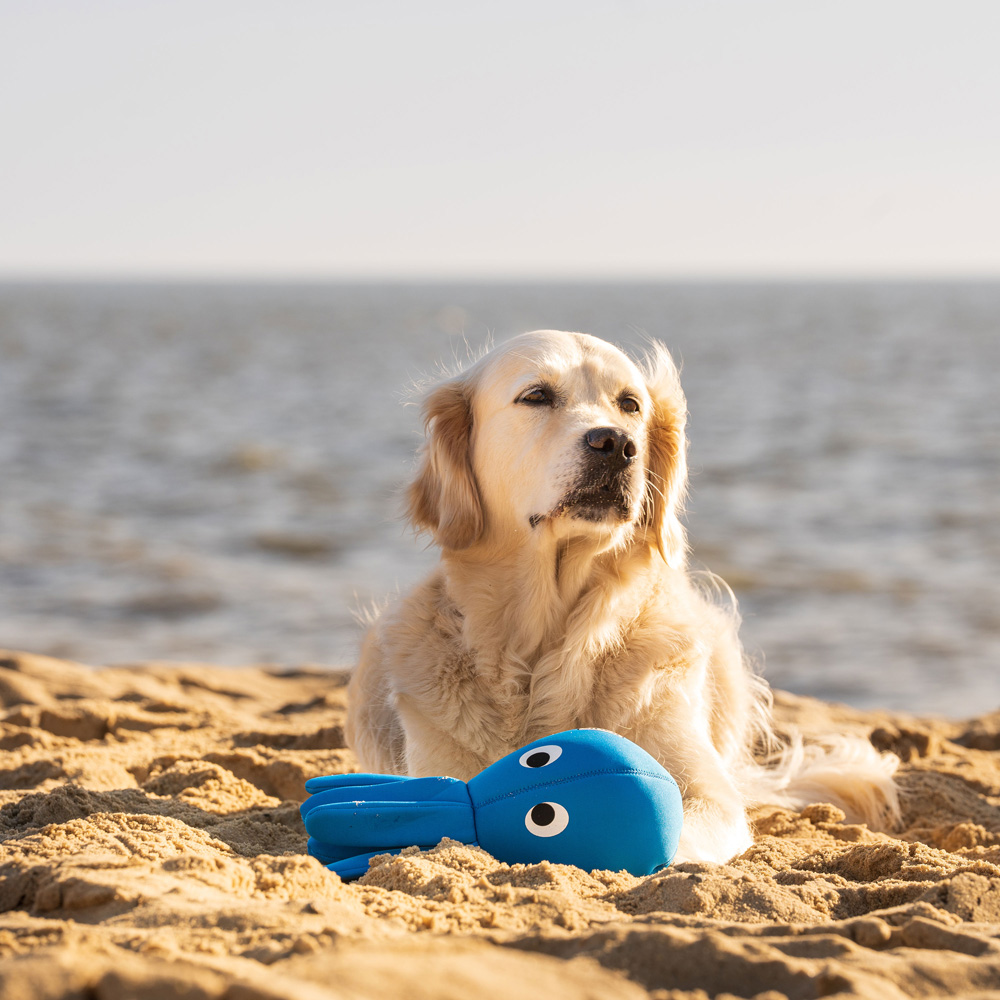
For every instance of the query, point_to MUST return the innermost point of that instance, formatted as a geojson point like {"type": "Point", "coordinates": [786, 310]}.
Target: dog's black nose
{"type": "Point", "coordinates": [614, 445]}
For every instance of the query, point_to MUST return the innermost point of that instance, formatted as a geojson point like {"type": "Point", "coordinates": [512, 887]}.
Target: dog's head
{"type": "Point", "coordinates": [555, 432]}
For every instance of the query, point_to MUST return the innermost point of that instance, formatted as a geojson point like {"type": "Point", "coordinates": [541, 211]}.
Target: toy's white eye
{"type": "Point", "coordinates": [540, 756]}
{"type": "Point", "coordinates": [546, 819]}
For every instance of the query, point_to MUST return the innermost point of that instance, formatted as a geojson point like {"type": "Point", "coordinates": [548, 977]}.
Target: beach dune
{"type": "Point", "coordinates": [152, 847]}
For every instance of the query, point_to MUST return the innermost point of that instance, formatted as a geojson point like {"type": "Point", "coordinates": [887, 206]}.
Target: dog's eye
{"type": "Point", "coordinates": [629, 404]}
{"type": "Point", "coordinates": [540, 756]}
{"type": "Point", "coordinates": [546, 819]}
{"type": "Point", "coordinates": [539, 396]}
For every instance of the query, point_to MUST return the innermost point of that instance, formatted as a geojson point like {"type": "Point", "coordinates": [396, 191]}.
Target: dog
{"type": "Point", "coordinates": [552, 478]}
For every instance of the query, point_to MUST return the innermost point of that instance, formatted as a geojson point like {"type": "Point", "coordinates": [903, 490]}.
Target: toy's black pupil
{"type": "Point", "coordinates": [542, 814]}
{"type": "Point", "coordinates": [539, 759]}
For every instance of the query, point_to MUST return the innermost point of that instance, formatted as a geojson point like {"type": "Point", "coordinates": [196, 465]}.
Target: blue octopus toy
{"type": "Point", "coordinates": [585, 797]}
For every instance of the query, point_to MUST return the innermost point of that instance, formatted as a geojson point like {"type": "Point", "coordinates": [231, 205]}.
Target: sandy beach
{"type": "Point", "coordinates": [152, 848]}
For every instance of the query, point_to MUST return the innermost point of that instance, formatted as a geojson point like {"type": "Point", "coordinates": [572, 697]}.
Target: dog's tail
{"type": "Point", "coordinates": [846, 771]}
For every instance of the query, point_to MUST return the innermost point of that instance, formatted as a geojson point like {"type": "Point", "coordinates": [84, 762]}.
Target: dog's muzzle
{"type": "Point", "coordinates": [604, 488]}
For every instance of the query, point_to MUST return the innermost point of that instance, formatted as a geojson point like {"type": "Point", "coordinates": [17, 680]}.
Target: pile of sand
{"type": "Point", "coordinates": [152, 847]}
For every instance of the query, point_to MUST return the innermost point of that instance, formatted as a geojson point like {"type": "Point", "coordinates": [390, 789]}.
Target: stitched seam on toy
{"type": "Point", "coordinates": [577, 777]}
{"type": "Point", "coordinates": [472, 815]}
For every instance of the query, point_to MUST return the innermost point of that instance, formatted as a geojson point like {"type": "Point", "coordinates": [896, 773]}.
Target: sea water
{"type": "Point", "coordinates": [212, 472]}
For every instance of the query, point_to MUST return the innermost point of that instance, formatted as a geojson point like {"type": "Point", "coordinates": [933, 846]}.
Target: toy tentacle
{"type": "Point", "coordinates": [352, 868]}
{"type": "Point", "coordinates": [355, 826]}
{"type": "Point", "coordinates": [331, 854]}
{"type": "Point", "coordinates": [325, 781]}
{"type": "Point", "coordinates": [325, 853]}
{"type": "Point", "coordinates": [398, 790]}
{"type": "Point", "coordinates": [349, 821]}
{"type": "Point", "coordinates": [395, 790]}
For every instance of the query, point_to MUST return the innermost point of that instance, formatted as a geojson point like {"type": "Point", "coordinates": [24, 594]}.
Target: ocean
{"type": "Point", "coordinates": [211, 472]}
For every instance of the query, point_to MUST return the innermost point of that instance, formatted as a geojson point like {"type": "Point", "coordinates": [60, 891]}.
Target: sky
{"type": "Point", "coordinates": [381, 139]}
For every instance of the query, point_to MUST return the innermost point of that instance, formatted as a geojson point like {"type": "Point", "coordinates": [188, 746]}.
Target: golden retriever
{"type": "Point", "coordinates": [552, 479]}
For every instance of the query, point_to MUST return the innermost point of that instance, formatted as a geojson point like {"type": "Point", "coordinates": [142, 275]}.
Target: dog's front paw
{"type": "Point", "coordinates": [712, 832]}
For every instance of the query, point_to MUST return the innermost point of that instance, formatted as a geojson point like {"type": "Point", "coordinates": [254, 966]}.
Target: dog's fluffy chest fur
{"type": "Point", "coordinates": [507, 674]}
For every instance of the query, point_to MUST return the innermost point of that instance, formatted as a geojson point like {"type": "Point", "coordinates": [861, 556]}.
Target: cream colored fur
{"type": "Point", "coordinates": [545, 615]}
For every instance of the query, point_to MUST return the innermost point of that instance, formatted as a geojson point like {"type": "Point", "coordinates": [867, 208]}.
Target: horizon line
{"type": "Point", "coordinates": [167, 276]}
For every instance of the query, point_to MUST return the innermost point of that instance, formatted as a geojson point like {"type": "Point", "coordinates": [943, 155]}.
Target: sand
{"type": "Point", "coordinates": [152, 847]}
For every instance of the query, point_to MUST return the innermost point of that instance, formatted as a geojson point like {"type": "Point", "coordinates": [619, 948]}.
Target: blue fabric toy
{"type": "Point", "coordinates": [585, 797]}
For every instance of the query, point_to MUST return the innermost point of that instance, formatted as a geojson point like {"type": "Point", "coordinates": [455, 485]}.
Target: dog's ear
{"type": "Point", "coordinates": [666, 466]}
{"type": "Point", "coordinates": [444, 497]}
